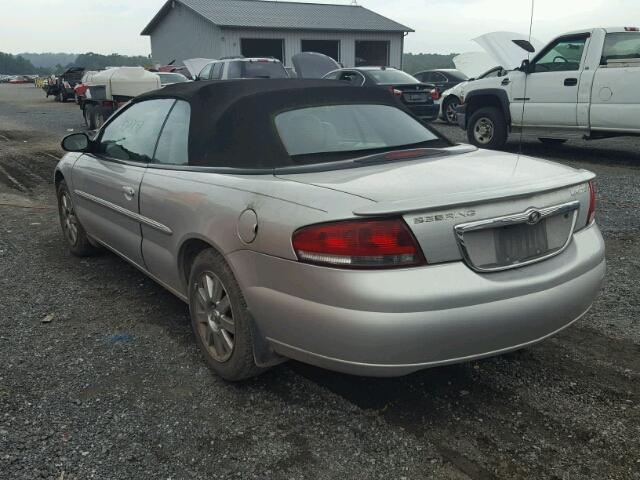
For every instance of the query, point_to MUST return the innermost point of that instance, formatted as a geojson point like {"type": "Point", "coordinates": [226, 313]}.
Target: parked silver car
{"type": "Point", "coordinates": [311, 220]}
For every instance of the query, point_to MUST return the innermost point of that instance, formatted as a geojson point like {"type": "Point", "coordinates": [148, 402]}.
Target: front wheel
{"type": "Point", "coordinates": [75, 235]}
{"type": "Point", "coordinates": [487, 128]}
{"type": "Point", "coordinates": [220, 318]}
{"type": "Point", "coordinates": [449, 107]}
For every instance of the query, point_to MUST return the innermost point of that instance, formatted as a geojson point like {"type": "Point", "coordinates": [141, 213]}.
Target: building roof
{"type": "Point", "coordinates": [284, 15]}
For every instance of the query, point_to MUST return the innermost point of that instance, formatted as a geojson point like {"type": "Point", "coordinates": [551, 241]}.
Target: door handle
{"type": "Point", "coordinates": [129, 192]}
{"type": "Point", "coordinates": [570, 82]}
{"type": "Point", "coordinates": [505, 82]}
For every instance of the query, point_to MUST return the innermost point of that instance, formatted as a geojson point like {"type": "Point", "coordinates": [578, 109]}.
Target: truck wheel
{"type": "Point", "coordinates": [487, 128]}
{"type": "Point", "coordinates": [449, 107]}
{"type": "Point", "coordinates": [62, 97]}
{"type": "Point", "coordinates": [552, 141]}
{"type": "Point", "coordinates": [88, 116]}
{"type": "Point", "coordinates": [98, 117]}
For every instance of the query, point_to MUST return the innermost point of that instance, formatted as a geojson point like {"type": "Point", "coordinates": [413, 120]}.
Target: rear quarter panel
{"type": "Point", "coordinates": [207, 206]}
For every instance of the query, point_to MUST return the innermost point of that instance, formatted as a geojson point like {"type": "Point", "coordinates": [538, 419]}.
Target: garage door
{"type": "Point", "coordinates": [331, 48]}
{"type": "Point", "coordinates": [263, 47]}
{"type": "Point", "coordinates": [372, 53]}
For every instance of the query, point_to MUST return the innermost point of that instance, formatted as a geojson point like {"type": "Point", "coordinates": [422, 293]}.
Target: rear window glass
{"type": "Point", "coordinates": [263, 70]}
{"type": "Point", "coordinates": [167, 78]}
{"type": "Point", "coordinates": [621, 46]}
{"type": "Point", "coordinates": [392, 77]}
{"type": "Point", "coordinates": [348, 128]}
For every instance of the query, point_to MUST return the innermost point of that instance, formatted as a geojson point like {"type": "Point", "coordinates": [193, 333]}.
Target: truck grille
{"type": "Point", "coordinates": [516, 240]}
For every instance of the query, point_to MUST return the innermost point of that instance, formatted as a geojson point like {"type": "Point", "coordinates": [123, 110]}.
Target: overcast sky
{"type": "Point", "coordinates": [442, 26]}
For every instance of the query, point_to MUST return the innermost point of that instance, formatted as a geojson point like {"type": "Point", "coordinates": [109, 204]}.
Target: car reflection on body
{"type": "Point", "coordinates": [311, 220]}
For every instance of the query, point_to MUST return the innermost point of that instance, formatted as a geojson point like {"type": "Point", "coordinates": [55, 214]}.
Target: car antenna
{"type": "Point", "coordinates": [524, 95]}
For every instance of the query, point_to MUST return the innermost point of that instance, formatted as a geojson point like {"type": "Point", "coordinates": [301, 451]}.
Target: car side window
{"type": "Point", "coordinates": [621, 46]}
{"type": "Point", "coordinates": [562, 56]}
{"type": "Point", "coordinates": [133, 134]}
{"type": "Point", "coordinates": [173, 146]}
{"type": "Point", "coordinates": [438, 77]}
{"type": "Point", "coordinates": [216, 72]}
{"type": "Point", "coordinates": [425, 77]}
{"type": "Point", "coordinates": [204, 73]}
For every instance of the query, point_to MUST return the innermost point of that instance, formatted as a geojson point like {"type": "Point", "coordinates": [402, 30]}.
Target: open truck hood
{"type": "Point", "coordinates": [195, 65]}
{"type": "Point", "coordinates": [313, 65]}
{"type": "Point", "coordinates": [462, 176]}
{"type": "Point", "coordinates": [473, 64]}
{"type": "Point", "coordinates": [500, 47]}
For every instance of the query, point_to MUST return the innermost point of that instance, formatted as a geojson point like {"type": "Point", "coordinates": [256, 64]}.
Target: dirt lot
{"type": "Point", "coordinates": [114, 388]}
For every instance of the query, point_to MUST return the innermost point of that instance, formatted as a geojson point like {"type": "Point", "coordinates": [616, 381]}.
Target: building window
{"type": "Point", "coordinates": [331, 48]}
{"type": "Point", "coordinates": [372, 53]}
{"type": "Point", "coordinates": [263, 47]}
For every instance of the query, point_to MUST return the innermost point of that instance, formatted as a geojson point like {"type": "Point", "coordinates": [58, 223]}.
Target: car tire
{"type": "Point", "coordinates": [62, 98]}
{"type": "Point", "coordinates": [552, 141]}
{"type": "Point", "coordinates": [77, 239]}
{"type": "Point", "coordinates": [451, 102]}
{"type": "Point", "coordinates": [487, 128]}
{"type": "Point", "coordinates": [98, 117]}
{"type": "Point", "coordinates": [220, 319]}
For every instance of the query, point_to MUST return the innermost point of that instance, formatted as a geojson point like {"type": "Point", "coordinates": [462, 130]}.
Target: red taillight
{"type": "Point", "coordinates": [592, 203]}
{"type": "Point", "coordinates": [395, 92]}
{"type": "Point", "coordinates": [384, 243]}
{"type": "Point", "coordinates": [631, 29]}
{"type": "Point", "coordinates": [435, 94]}
{"type": "Point", "coordinates": [108, 103]}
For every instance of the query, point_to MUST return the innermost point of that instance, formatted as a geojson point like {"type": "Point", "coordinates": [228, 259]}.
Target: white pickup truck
{"type": "Point", "coordinates": [583, 84]}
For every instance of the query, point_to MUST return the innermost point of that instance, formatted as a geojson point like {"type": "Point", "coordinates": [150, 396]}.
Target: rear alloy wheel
{"type": "Point", "coordinates": [487, 128]}
{"type": "Point", "coordinates": [77, 239]}
{"type": "Point", "coordinates": [449, 110]}
{"type": "Point", "coordinates": [220, 318]}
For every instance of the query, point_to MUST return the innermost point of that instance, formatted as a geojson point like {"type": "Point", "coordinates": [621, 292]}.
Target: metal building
{"type": "Point", "coordinates": [351, 34]}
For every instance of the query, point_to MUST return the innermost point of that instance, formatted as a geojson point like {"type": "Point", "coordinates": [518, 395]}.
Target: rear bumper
{"type": "Point", "coordinates": [394, 322]}
{"type": "Point", "coordinates": [425, 112]}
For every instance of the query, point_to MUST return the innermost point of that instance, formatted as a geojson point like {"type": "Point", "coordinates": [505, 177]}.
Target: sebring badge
{"type": "Point", "coordinates": [439, 217]}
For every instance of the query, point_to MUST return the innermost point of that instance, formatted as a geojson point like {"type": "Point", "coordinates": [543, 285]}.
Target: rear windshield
{"type": "Point", "coordinates": [349, 128]}
{"type": "Point", "coordinates": [263, 70]}
{"type": "Point", "coordinates": [621, 46]}
{"type": "Point", "coordinates": [167, 78]}
{"type": "Point", "coordinates": [392, 77]}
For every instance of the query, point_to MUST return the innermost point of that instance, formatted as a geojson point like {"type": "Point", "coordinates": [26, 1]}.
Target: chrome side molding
{"type": "Point", "coordinates": [127, 213]}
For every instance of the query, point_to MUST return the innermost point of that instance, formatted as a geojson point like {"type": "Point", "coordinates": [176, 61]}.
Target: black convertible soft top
{"type": "Point", "coordinates": [232, 122]}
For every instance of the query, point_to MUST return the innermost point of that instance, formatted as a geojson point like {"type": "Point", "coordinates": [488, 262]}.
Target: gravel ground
{"type": "Point", "coordinates": [100, 376]}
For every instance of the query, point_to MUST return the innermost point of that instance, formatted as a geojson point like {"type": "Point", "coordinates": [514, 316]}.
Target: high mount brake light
{"type": "Point", "coordinates": [592, 203]}
{"type": "Point", "coordinates": [631, 29]}
{"type": "Point", "coordinates": [385, 243]}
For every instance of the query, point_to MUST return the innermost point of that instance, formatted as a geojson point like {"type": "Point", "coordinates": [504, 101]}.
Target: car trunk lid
{"type": "Point", "coordinates": [440, 195]}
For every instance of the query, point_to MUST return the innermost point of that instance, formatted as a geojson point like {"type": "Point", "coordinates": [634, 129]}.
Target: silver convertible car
{"type": "Point", "coordinates": [316, 221]}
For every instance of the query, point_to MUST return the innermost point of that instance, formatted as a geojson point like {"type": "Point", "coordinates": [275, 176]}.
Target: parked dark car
{"type": "Point", "coordinates": [418, 96]}
{"type": "Point", "coordinates": [444, 79]}
{"type": "Point", "coordinates": [62, 87]}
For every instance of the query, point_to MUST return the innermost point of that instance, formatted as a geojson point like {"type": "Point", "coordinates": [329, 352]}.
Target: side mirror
{"type": "Point", "coordinates": [525, 45]}
{"type": "Point", "coordinates": [526, 66]}
{"type": "Point", "coordinates": [76, 142]}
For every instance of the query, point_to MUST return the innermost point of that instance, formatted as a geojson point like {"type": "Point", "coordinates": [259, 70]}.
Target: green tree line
{"type": "Point", "coordinates": [414, 63]}
{"type": "Point", "coordinates": [18, 65]}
